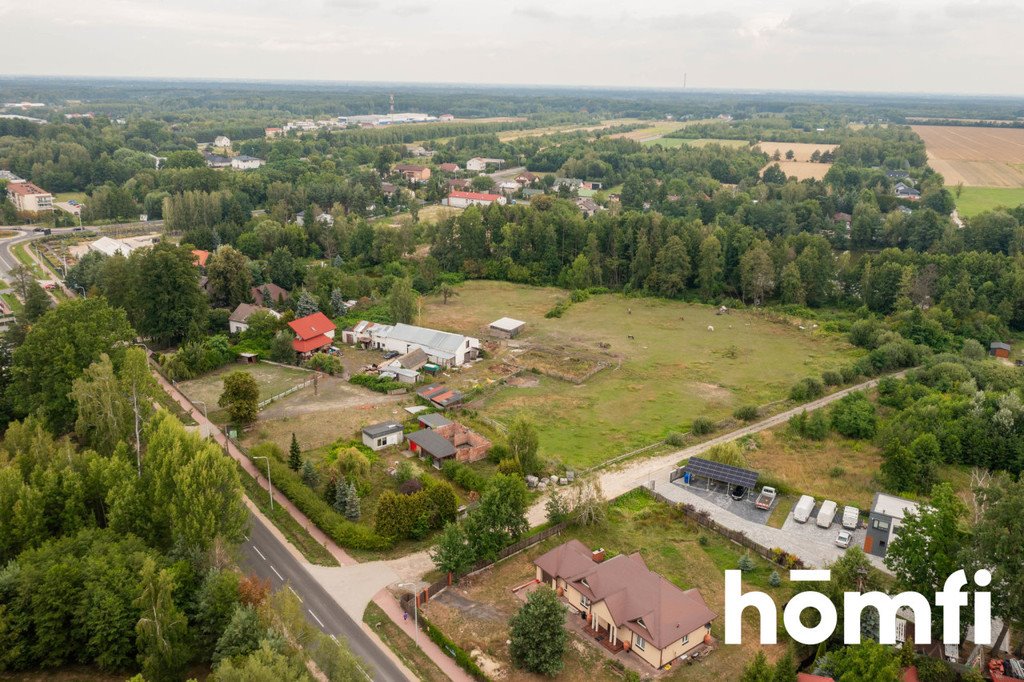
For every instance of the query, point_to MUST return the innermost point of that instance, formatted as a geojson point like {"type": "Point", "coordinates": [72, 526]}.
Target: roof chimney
{"type": "Point", "coordinates": [597, 555]}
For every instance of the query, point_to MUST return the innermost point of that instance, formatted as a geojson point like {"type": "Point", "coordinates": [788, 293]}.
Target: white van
{"type": "Point", "coordinates": [827, 514]}
{"type": "Point", "coordinates": [802, 510]}
{"type": "Point", "coordinates": [851, 517]}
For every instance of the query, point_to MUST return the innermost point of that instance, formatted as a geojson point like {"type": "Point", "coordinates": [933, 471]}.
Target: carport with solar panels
{"type": "Point", "coordinates": [698, 470]}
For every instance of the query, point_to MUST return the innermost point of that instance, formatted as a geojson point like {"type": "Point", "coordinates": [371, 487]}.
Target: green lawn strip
{"type": "Point", "coordinates": [403, 645]}
{"type": "Point", "coordinates": [25, 259]}
{"type": "Point", "coordinates": [174, 408]}
{"type": "Point", "coordinates": [13, 302]}
{"type": "Point", "coordinates": [299, 537]}
{"type": "Point", "coordinates": [780, 511]}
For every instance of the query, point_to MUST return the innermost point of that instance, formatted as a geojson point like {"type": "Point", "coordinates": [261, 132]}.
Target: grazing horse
{"type": "Point", "coordinates": [631, 338]}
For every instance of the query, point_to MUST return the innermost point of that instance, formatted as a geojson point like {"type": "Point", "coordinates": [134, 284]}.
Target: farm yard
{"type": "Point", "coordinates": [475, 612]}
{"type": "Point", "coordinates": [662, 366]}
{"type": "Point", "coordinates": [976, 157]}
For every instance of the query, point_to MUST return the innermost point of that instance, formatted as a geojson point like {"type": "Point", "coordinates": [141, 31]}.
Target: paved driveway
{"type": "Point", "coordinates": [815, 548]}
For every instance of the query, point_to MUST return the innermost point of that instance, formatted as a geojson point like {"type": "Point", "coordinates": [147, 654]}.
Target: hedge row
{"type": "Point", "coordinates": [453, 650]}
{"type": "Point", "coordinates": [336, 526]}
{"type": "Point", "coordinates": [375, 383]}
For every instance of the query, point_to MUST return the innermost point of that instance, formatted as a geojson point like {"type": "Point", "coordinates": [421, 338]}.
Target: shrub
{"type": "Point", "coordinates": [747, 413]}
{"type": "Point", "coordinates": [460, 656]}
{"type": "Point", "coordinates": [675, 439]}
{"type": "Point", "coordinates": [559, 309]}
{"type": "Point", "coordinates": [414, 515]}
{"type": "Point", "coordinates": [324, 362]}
{"type": "Point", "coordinates": [836, 471]}
{"type": "Point", "coordinates": [807, 389]}
{"type": "Point", "coordinates": [854, 416]}
{"type": "Point", "coordinates": [831, 377]}
{"type": "Point", "coordinates": [510, 467]}
{"type": "Point", "coordinates": [375, 383]}
{"type": "Point", "coordinates": [464, 476]}
{"type": "Point", "coordinates": [703, 541]}
{"type": "Point", "coordinates": [813, 426]}
{"type": "Point", "coordinates": [774, 579]}
{"type": "Point", "coordinates": [746, 563]}
{"type": "Point", "coordinates": [579, 295]}
{"type": "Point", "coordinates": [702, 426]}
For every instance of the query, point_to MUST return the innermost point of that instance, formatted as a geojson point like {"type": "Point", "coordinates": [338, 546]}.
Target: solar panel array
{"type": "Point", "coordinates": [725, 473]}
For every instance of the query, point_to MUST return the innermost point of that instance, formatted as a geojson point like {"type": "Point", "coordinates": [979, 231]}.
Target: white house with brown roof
{"type": "Point", "coordinates": [238, 321]}
{"type": "Point", "coordinates": [627, 605]}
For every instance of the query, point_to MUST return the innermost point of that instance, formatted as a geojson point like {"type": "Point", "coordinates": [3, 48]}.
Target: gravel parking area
{"type": "Point", "coordinates": [810, 531]}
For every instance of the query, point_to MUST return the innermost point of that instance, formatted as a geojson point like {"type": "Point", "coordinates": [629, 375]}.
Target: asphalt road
{"type": "Point", "coordinates": [265, 556]}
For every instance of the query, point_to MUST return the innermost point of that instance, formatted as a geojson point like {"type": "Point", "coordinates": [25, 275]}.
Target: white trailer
{"type": "Point", "coordinates": [827, 514]}
{"type": "Point", "coordinates": [851, 517]}
{"type": "Point", "coordinates": [802, 510]}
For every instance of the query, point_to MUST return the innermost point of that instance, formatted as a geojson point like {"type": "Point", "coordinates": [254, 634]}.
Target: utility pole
{"type": "Point", "coordinates": [391, 99]}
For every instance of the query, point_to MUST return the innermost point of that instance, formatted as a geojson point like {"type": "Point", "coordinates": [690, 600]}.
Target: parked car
{"type": "Point", "coordinates": [827, 514]}
{"type": "Point", "coordinates": [802, 510]}
{"type": "Point", "coordinates": [391, 354]}
{"type": "Point", "coordinates": [844, 539]}
{"type": "Point", "coordinates": [851, 517]}
{"type": "Point", "coordinates": [765, 499]}
{"type": "Point", "coordinates": [49, 286]}
{"type": "Point", "coordinates": [738, 492]}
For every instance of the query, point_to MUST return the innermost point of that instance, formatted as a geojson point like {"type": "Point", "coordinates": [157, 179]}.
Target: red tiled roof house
{"type": "Point", "coordinates": [312, 333]}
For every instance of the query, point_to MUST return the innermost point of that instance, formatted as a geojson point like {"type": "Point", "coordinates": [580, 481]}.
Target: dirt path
{"type": "Point", "coordinates": [642, 472]}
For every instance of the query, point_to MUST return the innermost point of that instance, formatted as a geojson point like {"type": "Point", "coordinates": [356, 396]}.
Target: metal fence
{"type": "Point", "coordinates": [293, 389]}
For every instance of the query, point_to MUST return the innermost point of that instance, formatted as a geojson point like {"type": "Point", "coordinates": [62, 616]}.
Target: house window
{"type": "Point", "coordinates": [686, 639]}
{"type": "Point", "coordinates": [641, 623]}
{"type": "Point", "coordinates": [639, 642]}
{"type": "Point", "coordinates": [880, 525]}
{"type": "Point", "coordinates": [381, 442]}
{"type": "Point", "coordinates": [584, 602]}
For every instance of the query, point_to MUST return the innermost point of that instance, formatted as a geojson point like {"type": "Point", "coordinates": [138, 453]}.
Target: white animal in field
{"type": "Point", "coordinates": [710, 328]}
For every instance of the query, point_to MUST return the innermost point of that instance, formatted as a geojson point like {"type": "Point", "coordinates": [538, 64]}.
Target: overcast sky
{"type": "Point", "coordinates": [950, 46]}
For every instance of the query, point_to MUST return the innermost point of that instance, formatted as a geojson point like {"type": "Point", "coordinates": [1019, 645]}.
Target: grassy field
{"type": "Point", "coordinates": [671, 371]}
{"type": "Point", "coordinates": [975, 200]}
{"type": "Point", "coordinates": [272, 379]}
{"type": "Point", "coordinates": [802, 170]}
{"type": "Point", "coordinates": [673, 142]}
{"type": "Point", "coordinates": [475, 613]}
{"type": "Point", "coordinates": [428, 214]}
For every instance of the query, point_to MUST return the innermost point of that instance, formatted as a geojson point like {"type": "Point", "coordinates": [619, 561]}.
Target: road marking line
{"type": "Point", "coordinates": [335, 639]}
{"type": "Point", "coordinates": [276, 573]}
{"type": "Point", "coordinates": [259, 552]}
{"type": "Point", "coordinates": [295, 593]}
{"type": "Point", "coordinates": [247, 538]}
{"type": "Point", "coordinates": [315, 618]}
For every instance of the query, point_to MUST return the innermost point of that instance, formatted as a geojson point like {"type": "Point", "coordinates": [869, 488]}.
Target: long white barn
{"type": "Point", "coordinates": [442, 348]}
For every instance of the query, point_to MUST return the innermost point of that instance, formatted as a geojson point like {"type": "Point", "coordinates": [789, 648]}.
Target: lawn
{"type": "Point", "coordinates": [663, 367]}
{"type": "Point", "coordinates": [272, 379]}
{"type": "Point", "coordinates": [475, 613]}
{"type": "Point", "coordinates": [975, 200]}
{"type": "Point", "coordinates": [25, 259]}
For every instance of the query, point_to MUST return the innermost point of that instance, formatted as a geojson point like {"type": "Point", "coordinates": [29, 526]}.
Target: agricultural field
{"type": "Point", "coordinates": [976, 157]}
{"type": "Point", "coordinates": [656, 130]}
{"type": "Point", "coordinates": [675, 142]}
{"type": "Point", "coordinates": [975, 200]}
{"type": "Point", "coordinates": [272, 379]}
{"type": "Point", "coordinates": [802, 151]}
{"type": "Point", "coordinates": [802, 170]}
{"type": "Point", "coordinates": [511, 135]}
{"type": "Point", "coordinates": [661, 366]}
{"type": "Point", "coordinates": [475, 613]}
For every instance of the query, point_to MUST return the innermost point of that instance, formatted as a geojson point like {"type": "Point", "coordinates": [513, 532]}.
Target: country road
{"type": "Point", "coordinates": [639, 472]}
{"type": "Point", "coordinates": [266, 556]}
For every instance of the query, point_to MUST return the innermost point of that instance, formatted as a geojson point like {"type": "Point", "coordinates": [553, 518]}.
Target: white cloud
{"type": "Point", "coordinates": [959, 45]}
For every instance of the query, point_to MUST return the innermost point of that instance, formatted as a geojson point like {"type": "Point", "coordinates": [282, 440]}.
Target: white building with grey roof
{"type": "Point", "coordinates": [442, 348]}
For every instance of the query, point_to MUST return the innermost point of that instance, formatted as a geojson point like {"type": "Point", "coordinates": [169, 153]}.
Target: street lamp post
{"type": "Point", "coordinates": [203, 403]}
{"type": "Point", "coordinates": [270, 484]}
